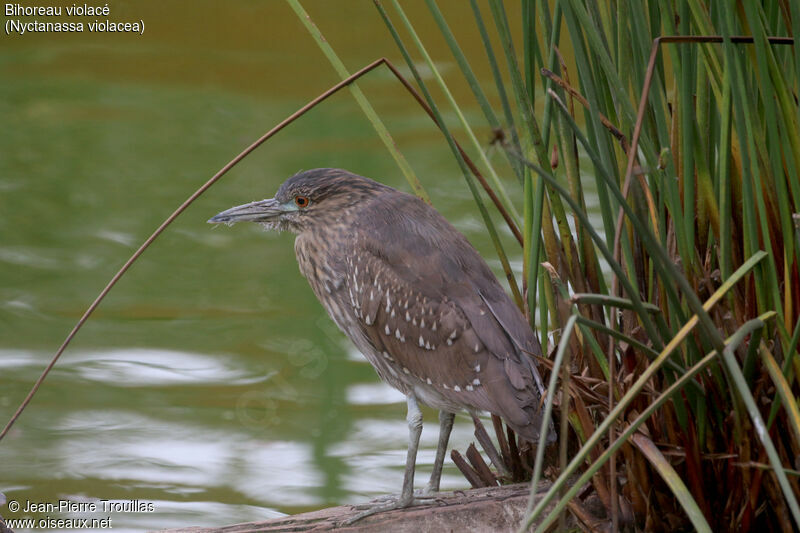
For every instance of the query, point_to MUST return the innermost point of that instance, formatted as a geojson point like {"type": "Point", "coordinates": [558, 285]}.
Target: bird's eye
{"type": "Point", "coordinates": [301, 201]}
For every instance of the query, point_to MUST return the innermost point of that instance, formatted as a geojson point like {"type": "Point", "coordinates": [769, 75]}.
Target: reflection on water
{"type": "Point", "coordinates": [210, 382]}
{"type": "Point", "coordinates": [148, 367]}
{"type": "Point", "coordinates": [174, 428]}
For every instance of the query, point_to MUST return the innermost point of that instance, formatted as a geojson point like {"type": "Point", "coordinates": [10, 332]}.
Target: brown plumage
{"type": "Point", "coordinates": [412, 294]}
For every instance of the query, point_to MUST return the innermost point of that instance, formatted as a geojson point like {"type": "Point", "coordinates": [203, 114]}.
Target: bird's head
{"type": "Point", "coordinates": [307, 200]}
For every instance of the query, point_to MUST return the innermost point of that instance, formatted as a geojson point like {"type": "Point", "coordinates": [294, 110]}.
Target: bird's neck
{"type": "Point", "coordinates": [319, 250]}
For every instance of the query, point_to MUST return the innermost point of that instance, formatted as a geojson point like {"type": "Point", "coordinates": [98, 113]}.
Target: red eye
{"type": "Point", "coordinates": [301, 201]}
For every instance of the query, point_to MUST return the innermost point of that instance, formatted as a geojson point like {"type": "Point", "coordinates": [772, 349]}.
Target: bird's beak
{"type": "Point", "coordinates": [262, 211]}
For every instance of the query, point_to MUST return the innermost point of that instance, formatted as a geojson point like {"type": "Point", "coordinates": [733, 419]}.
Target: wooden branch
{"type": "Point", "coordinates": [466, 469]}
{"type": "Point", "coordinates": [484, 509]}
{"type": "Point", "coordinates": [488, 447]}
{"type": "Point", "coordinates": [476, 460]}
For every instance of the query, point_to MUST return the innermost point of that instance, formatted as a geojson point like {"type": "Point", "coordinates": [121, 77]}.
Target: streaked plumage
{"type": "Point", "coordinates": [412, 294]}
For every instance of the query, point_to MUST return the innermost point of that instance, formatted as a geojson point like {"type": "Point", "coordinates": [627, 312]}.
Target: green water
{"type": "Point", "coordinates": [210, 382]}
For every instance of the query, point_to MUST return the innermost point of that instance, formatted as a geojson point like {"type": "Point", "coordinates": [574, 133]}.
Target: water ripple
{"type": "Point", "coordinates": [155, 366]}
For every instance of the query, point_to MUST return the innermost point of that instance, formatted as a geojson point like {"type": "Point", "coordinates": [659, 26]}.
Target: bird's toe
{"type": "Point", "coordinates": [389, 503]}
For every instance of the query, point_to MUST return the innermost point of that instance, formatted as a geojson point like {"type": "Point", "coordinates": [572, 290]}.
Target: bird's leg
{"type": "Point", "coordinates": [406, 498]}
{"type": "Point", "coordinates": [445, 427]}
{"type": "Point", "coordinates": [414, 419]}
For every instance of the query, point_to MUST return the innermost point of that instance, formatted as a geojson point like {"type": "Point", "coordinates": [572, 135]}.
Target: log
{"type": "Point", "coordinates": [484, 509]}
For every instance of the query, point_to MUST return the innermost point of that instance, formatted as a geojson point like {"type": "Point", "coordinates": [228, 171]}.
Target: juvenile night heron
{"type": "Point", "coordinates": [416, 299]}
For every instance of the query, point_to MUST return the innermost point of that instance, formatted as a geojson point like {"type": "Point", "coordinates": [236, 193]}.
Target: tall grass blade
{"type": "Point", "coordinates": [627, 433]}
{"type": "Point", "coordinates": [548, 408]}
{"type": "Point", "coordinates": [763, 433]}
{"type": "Point", "coordinates": [676, 484]}
{"type": "Point", "coordinates": [457, 153]}
{"type": "Point", "coordinates": [639, 385]}
{"type": "Point", "coordinates": [784, 392]}
{"type": "Point", "coordinates": [501, 90]}
{"type": "Point", "coordinates": [361, 99]}
{"type": "Point", "coordinates": [451, 100]}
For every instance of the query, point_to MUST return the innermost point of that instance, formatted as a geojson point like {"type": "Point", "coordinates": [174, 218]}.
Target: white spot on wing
{"type": "Point", "coordinates": [457, 388]}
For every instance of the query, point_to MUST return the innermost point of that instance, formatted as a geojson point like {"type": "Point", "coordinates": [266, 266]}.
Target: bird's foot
{"type": "Point", "coordinates": [389, 503]}
{"type": "Point", "coordinates": [429, 491]}
{"type": "Point", "coordinates": [420, 497]}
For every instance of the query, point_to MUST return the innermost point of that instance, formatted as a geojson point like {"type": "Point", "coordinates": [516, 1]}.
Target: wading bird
{"type": "Point", "coordinates": [414, 297]}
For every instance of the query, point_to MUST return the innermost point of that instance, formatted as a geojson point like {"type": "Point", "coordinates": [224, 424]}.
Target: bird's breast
{"type": "Point", "coordinates": [319, 259]}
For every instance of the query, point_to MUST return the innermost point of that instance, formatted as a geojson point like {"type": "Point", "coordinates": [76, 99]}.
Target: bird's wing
{"type": "Point", "coordinates": [430, 290]}
{"type": "Point", "coordinates": [427, 339]}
